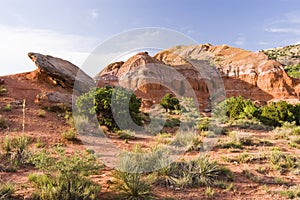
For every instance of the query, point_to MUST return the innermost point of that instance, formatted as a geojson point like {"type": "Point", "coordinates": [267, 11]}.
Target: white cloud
{"type": "Point", "coordinates": [284, 30]}
{"type": "Point", "coordinates": [93, 13]}
{"type": "Point", "coordinates": [292, 17]}
{"type": "Point", "coordinates": [289, 23]}
{"type": "Point", "coordinates": [262, 43]}
{"type": "Point", "coordinates": [16, 42]}
{"type": "Point", "coordinates": [240, 41]}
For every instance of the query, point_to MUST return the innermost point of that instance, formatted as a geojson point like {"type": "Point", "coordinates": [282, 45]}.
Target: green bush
{"type": "Point", "coordinates": [64, 177]}
{"type": "Point", "coordinates": [273, 114]}
{"type": "Point", "coordinates": [293, 70]}
{"type": "Point", "coordinates": [237, 108]}
{"type": "Point", "coordinates": [276, 113]}
{"type": "Point", "coordinates": [169, 102]}
{"type": "Point", "coordinates": [99, 101]}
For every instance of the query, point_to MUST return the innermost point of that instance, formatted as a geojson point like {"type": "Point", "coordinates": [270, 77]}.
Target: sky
{"type": "Point", "coordinates": [72, 29]}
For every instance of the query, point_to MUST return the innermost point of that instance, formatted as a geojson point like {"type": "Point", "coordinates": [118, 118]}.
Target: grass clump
{"type": "Point", "coordinates": [3, 123]}
{"type": "Point", "coordinates": [7, 107]}
{"type": "Point", "coordinates": [69, 135]}
{"type": "Point", "coordinates": [15, 152]}
{"type": "Point", "coordinates": [291, 192]}
{"type": "Point", "coordinates": [6, 190]}
{"type": "Point", "coordinates": [126, 135]}
{"type": "Point", "coordinates": [282, 161]}
{"type": "Point", "coordinates": [41, 113]}
{"type": "Point", "coordinates": [3, 90]}
{"type": "Point", "coordinates": [198, 172]}
{"type": "Point", "coordinates": [209, 192]}
{"type": "Point", "coordinates": [129, 176]}
{"type": "Point", "coordinates": [64, 176]}
{"type": "Point", "coordinates": [188, 140]}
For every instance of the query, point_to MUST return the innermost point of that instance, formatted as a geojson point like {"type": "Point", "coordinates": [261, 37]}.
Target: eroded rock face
{"type": "Point", "coordinates": [62, 72]}
{"type": "Point", "coordinates": [250, 74]}
{"type": "Point", "coordinates": [203, 70]}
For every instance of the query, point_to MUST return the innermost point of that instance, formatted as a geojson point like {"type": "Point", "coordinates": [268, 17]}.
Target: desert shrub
{"type": "Point", "coordinates": [296, 112]}
{"type": "Point", "coordinates": [132, 185]}
{"type": "Point", "coordinates": [169, 102]}
{"type": "Point", "coordinates": [126, 134]}
{"type": "Point", "coordinates": [209, 192]}
{"type": "Point", "coordinates": [6, 191]}
{"type": "Point", "coordinates": [237, 108]}
{"type": "Point", "coordinates": [173, 122]}
{"type": "Point", "coordinates": [286, 131]}
{"type": "Point", "coordinates": [276, 113]}
{"type": "Point", "coordinates": [3, 90]}
{"type": "Point", "coordinates": [198, 172]}
{"type": "Point", "coordinates": [233, 142]}
{"type": "Point", "coordinates": [130, 180]}
{"type": "Point", "coordinates": [98, 101]}
{"type": "Point", "coordinates": [253, 124]}
{"type": "Point", "coordinates": [188, 140]}
{"type": "Point", "coordinates": [204, 171]}
{"type": "Point", "coordinates": [70, 135]}
{"type": "Point", "coordinates": [293, 70]}
{"type": "Point", "coordinates": [189, 113]}
{"type": "Point", "coordinates": [6, 144]}
{"type": "Point", "coordinates": [20, 144]}
{"type": "Point", "coordinates": [7, 107]}
{"type": "Point", "coordinates": [291, 192]}
{"type": "Point", "coordinates": [203, 124]}
{"type": "Point", "coordinates": [3, 123]}
{"type": "Point", "coordinates": [164, 138]}
{"type": "Point", "coordinates": [41, 113]}
{"type": "Point", "coordinates": [64, 177]}
{"type": "Point", "coordinates": [282, 161]}
{"type": "Point", "coordinates": [16, 152]}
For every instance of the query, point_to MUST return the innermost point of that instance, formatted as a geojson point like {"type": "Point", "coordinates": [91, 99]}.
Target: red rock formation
{"type": "Point", "coordinates": [203, 70]}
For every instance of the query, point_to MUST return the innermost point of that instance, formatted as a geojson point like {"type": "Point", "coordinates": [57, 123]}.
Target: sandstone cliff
{"type": "Point", "coordinates": [185, 70]}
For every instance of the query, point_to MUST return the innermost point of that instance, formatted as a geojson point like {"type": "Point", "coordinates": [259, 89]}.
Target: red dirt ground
{"type": "Point", "coordinates": [49, 129]}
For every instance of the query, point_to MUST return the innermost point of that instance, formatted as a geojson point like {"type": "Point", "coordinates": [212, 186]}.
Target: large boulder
{"type": "Point", "coordinates": [62, 72]}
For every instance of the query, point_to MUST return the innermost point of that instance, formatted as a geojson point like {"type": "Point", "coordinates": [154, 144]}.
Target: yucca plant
{"type": "Point", "coordinates": [129, 177]}
{"type": "Point", "coordinates": [132, 185]}
{"type": "Point", "coordinates": [204, 172]}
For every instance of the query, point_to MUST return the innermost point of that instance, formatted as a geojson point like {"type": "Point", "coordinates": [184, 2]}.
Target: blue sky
{"type": "Point", "coordinates": [73, 29]}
